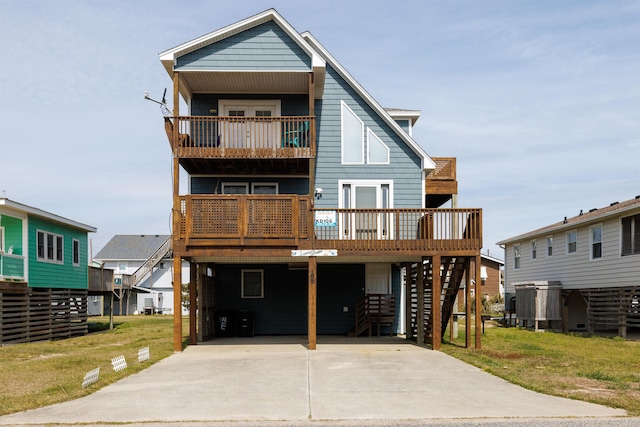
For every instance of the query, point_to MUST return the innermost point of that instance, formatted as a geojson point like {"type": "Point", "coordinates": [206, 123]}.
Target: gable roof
{"type": "Point", "coordinates": [123, 247]}
{"type": "Point", "coordinates": [169, 57]}
{"type": "Point", "coordinates": [319, 58]}
{"type": "Point", "coordinates": [46, 215]}
{"type": "Point", "coordinates": [594, 215]}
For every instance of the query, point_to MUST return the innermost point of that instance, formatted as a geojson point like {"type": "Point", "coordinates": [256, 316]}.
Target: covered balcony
{"type": "Point", "coordinates": [290, 222]}
{"type": "Point", "coordinates": [202, 137]}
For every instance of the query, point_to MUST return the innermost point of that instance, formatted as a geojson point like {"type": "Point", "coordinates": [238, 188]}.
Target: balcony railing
{"type": "Point", "coordinates": [289, 221]}
{"type": "Point", "coordinates": [241, 220]}
{"type": "Point", "coordinates": [11, 267]}
{"type": "Point", "coordinates": [401, 229]}
{"type": "Point", "coordinates": [242, 137]}
{"type": "Point", "coordinates": [445, 169]}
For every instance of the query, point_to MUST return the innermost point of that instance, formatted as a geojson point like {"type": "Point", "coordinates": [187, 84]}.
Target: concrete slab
{"type": "Point", "coordinates": [278, 379]}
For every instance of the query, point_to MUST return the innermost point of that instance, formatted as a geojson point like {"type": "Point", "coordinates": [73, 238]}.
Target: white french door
{"type": "Point", "coordinates": [248, 133]}
{"type": "Point", "coordinates": [366, 196]}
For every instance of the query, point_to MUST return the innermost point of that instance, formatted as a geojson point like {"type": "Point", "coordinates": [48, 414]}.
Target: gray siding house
{"type": "Point", "coordinates": [582, 273]}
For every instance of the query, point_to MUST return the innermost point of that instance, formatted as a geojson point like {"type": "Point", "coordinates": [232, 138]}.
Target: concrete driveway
{"type": "Point", "coordinates": [278, 379]}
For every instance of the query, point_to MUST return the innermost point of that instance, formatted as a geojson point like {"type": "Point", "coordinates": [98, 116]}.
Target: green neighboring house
{"type": "Point", "coordinates": [43, 274]}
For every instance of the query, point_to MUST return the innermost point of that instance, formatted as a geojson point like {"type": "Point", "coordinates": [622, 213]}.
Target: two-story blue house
{"type": "Point", "coordinates": [43, 274]}
{"type": "Point", "coordinates": [311, 209]}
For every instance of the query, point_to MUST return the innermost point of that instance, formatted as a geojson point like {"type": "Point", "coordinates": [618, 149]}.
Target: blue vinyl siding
{"type": "Point", "coordinates": [213, 185]}
{"type": "Point", "coordinates": [265, 47]}
{"type": "Point", "coordinates": [404, 124]}
{"type": "Point", "coordinates": [283, 310]}
{"type": "Point", "coordinates": [50, 275]}
{"type": "Point", "coordinates": [291, 105]}
{"type": "Point", "coordinates": [404, 168]}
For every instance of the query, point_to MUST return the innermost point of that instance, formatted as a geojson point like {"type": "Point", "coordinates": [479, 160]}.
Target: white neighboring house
{"type": "Point", "coordinates": [145, 261]}
{"type": "Point", "coordinates": [586, 270]}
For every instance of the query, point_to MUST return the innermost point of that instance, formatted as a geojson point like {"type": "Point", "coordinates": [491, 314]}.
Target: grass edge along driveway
{"type": "Point", "coordinates": [594, 369]}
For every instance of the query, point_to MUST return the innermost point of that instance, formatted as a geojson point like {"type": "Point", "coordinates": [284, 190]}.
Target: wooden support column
{"type": "Point", "coordinates": [177, 260]}
{"type": "Point", "coordinates": [478, 304]}
{"type": "Point", "coordinates": [312, 136]}
{"type": "Point", "coordinates": [194, 277]}
{"type": "Point", "coordinates": [420, 305]}
{"type": "Point", "coordinates": [177, 303]}
{"type": "Point", "coordinates": [467, 304]}
{"type": "Point", "coordinates": [436, 303]}
{"type": "Point", "coordinates": [313, 295]}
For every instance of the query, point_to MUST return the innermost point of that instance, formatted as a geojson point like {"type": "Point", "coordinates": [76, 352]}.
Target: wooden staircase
{"type": "Point", "coordinates": [452, 272]}
{"type": "Point", "coordinates": [375, 310]}
{"type": "Point", "coordinates": [150, 263]}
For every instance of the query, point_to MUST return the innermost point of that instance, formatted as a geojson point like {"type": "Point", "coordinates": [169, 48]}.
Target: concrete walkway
{"type": "Point", "coordinates": [278, 379]}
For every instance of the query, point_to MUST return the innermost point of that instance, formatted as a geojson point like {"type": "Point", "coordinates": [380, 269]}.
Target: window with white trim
{"type": "Point", "coordinates": [235, 188]}
{"type": "Point", "coordinates": [572, 242]}
{"type": "Point", "coordinates": [630, 235]}
{"type": "Point", "coordinates": [534, 249]}
{"type": "Point", "coordinates": [1, 239]}
{"type": "Point", "coordinates": [596, 241]}
{"type": "Point", "coordinates": [377, 151]}
{"type": "Point", "coordinates": [516, 256]}
{"type": "Point", "coordinates": [549, 246]}
{"type": "Point", "coordinates": [352, 137]}
{"type": "Point", "coordinates": [252, 283]}
{"type": "Point", "coordinates": [76, 252]}
{"type": "Point", "coordinates": [50, 247]}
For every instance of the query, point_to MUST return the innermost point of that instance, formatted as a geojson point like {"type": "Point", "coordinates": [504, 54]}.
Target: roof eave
{"type": "Point", "coordinates": [47, 215]}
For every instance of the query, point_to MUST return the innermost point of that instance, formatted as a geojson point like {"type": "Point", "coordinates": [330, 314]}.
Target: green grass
{"type": "Point", "coordinates": [39, 374]}
{"type": "Point", "coordinates": [590, 368]}
{"type": "Point", "coordinates": [594, 369]}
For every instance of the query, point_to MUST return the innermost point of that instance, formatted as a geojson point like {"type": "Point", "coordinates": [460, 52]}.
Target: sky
{"type": "Point", "coordinates": [539, 101]}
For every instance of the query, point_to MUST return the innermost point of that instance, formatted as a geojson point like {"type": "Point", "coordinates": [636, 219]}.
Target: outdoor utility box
{"type": "Point", "coordinates": [539, 302]}
{"type": "Point", "coordinates": [225, 324]}
{"type": "Point", "coordinates": [245, 323]}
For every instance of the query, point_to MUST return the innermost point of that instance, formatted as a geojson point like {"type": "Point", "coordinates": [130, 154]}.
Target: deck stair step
{"type": "Point", "coordinates": [375, 310]}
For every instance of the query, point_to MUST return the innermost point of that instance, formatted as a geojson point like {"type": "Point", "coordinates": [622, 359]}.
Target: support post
{"type": "Point", "coordinates": [177, 303]}
{"type": "Point", "coordinates": [478, 304]}
{"type": "Point", "coordinates": [420, 304]}
{"type": "Point", "coordinates": [436, 303]}
{"type": "Point", "coordinates": [175, 216]}
{"type": "Point", "coordinates": [313, 291]}
{"type": "Point", "coordinates": [193, 301]}
{"type": "Point", "coordinates": [467, 305]}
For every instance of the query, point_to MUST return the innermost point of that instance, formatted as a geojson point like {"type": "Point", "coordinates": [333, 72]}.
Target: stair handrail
{"type": "Point", "coordinates": [151, 262]}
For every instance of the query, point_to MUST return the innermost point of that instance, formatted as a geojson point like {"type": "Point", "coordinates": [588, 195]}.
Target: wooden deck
{"type": "Point", "coordinates": [287, 221]}
{"type": "Point", "coordinates": [202, 137]}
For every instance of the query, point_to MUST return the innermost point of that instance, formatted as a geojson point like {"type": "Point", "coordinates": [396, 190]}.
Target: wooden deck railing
{"type": "Point", "coordinates": [402, 229]}
{"type": "Point", "coordinates": [286, 220]}
{"type": "Point", "coordinates": [242, 137]}
{"type": "Point", "coordinates": [240, 220]}
{"type": "Point", "coordinates": [445, 169]}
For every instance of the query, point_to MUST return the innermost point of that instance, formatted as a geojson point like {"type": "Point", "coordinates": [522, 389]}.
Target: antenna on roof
{"type": "Point", "coordinates": [163, 103]}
